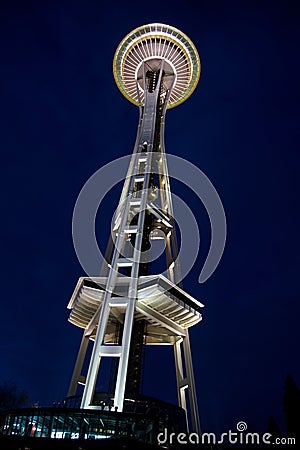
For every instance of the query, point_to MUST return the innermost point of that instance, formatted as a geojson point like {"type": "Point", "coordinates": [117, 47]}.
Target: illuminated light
{"type": "Point", "coordinates": [58, 435]}
{"type": "Point", "coordinates": [172, 265]}
{"type": "Point", "coordinates": [166, 223]}
{"type": "Point", "coordinates": [169, 234]}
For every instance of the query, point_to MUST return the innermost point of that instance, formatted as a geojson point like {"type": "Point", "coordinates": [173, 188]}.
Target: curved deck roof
{"type": "Point", "coordinates": [167, 309]}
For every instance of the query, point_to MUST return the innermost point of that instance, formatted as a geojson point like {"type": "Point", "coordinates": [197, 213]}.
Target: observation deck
{"type": "Point", "coordinates": [167, 309]}
{"type": "Point", "coordinates": [151, 44]}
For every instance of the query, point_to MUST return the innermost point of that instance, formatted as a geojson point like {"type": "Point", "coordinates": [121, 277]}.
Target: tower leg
{"type": "Point", "coordinates": [123, 362]}
{"type": "Point", "coordinates": [78, 365]}
{"type": "Point", "coordinates": [95, 358]}
{"type": "Point", "coordinates": [195, 421]}
{"type": "Point", "coordinates": [179, 376]}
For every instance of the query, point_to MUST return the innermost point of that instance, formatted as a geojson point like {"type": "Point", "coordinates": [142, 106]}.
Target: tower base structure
{"type": "Point", "coordinates": [142, 423]}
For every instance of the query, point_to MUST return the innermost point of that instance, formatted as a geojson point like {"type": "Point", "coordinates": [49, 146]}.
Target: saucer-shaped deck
{"type": "Point", "coordinates": [151, 43]}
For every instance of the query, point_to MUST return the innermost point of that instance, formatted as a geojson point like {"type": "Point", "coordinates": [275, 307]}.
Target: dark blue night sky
{"type": "Point", "coordinates": [62, 118]}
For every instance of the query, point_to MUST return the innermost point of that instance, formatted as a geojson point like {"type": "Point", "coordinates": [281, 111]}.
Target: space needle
{"type": "Point", "coordinates": [137, 298]}
{"type": "Point", "coordinates": [130, 306]}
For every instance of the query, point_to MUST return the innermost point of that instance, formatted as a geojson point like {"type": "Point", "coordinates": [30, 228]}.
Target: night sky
{"type": "Point", "coordinates": [63, 117]}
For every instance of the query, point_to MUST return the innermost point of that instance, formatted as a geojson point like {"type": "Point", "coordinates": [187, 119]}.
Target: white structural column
{"type": "Point", "coordinates": [181, 381]}
{"type": "Point", "coordinates": [186, 382]}
{"type": "Point", "coordinates": [91, 377]}
{"type": "Point", "coordinates": [123, 361]}
{"type": "Point", "coordinates": [76, 377]}
{"type": "Point", "coordinates": [195, 421]}
{"type": "Point", "coordinates": [174, 271]}
{"type": "Point", "coordinates": [132, 295]}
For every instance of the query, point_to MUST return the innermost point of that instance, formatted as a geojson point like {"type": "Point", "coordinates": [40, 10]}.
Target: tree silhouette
{"type": "Point", "coordinates": [11, 397]}
{"type": "Point", "coordinates": [273, 428]}
{"type": "Point", "coordinates": [291, 402]}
